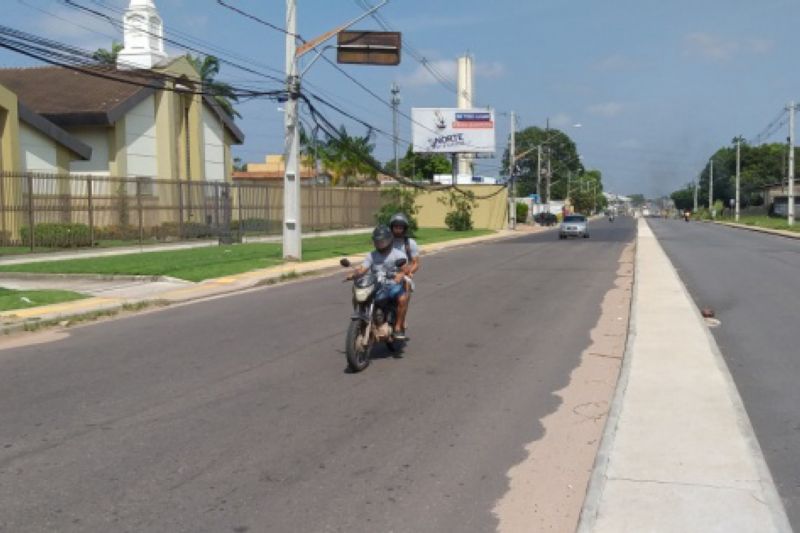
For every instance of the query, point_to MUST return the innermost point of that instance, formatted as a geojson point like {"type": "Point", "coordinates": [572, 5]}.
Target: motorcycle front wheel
{"type": "Point", "coordinates": [357, 353]}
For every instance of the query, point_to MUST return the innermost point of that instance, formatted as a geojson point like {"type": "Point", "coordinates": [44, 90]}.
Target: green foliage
{"type": "Point", "coordinates": [563, 157]}
{"type": "Point", "coordinates": [684, 198]}
{"type": "Point", "coordinates": [522, 213]}
{"type": "Point", "coordinates": [108, 57]}
{"type": "Point", "coordinates": [348, 159]}
{"type": "Point", "coordinates": [422, 166]}
{"type": "Point", "coordinates": [399, 200]}
{"type": "Point", "coordinates": [57, 235]}
{"type": "Point", "coordinates": [459, 218]}
{"type": "Point", "coordinates": [224, 95]}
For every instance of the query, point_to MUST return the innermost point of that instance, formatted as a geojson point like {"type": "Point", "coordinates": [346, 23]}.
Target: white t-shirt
{"type": "Point", "coordinates": [400, 244]}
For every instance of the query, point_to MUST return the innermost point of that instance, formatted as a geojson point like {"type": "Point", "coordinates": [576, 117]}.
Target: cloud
{"type": "Point", "coordinates": [606, 109]}
{"type": "Point", "coordinates": [714, 48]}
{"type": "Point", "coordinates": [614, 62]}
{"type": "Point", "coordinates": [445, 70]}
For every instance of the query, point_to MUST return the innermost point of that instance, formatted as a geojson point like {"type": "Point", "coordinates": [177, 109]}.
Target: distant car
{"type": "Point", "coordinates": [574, 226]}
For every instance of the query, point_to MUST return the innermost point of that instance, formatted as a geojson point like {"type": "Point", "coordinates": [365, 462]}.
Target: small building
{"type": "Point", "coordinates": [272, 170]}
{"type": "Point", "coordinates": [776, 197]}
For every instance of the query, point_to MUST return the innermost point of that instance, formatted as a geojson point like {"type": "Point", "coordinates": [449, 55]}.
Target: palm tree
{"type": "Point", "coordinates": [223, 93]}
{"type": "Point", "coordinates": [350, 158]}
{"type": "Point", "coordinates": [108, 57]}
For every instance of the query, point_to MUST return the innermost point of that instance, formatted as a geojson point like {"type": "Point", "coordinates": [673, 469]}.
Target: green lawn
{"type": "Point", "coordinates": [212, 262]}
{"type": "Point", "coordinates": [766, 222]}
{"type": "Point", "coordinates": [11, 299]}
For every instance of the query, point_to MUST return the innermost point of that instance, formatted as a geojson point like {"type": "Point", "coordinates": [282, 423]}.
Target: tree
{"type": "Point", "coordinates": [637, 200]}
{"type": "Point", "coordinates": [108, 57]}
{"type": "Point", "coordinates": [563, 158]}
{"type": "Point", "coordinates": [223, 93]}
{"type": "Point", "coordinates": [421, 166]}
{"type": "Point", "coordinates": [348, 159]}
{"type": "Point", "coordinates": [586, 192]}
{"type": "Point", "coordinates": [684, 198]}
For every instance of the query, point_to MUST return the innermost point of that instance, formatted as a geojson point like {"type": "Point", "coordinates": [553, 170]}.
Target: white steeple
{"type": "Point", "coordinates": [143, 37]}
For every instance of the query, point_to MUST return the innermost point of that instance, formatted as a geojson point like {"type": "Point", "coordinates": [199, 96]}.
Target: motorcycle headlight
{"type": "Point", "coordinates": [362, 293]}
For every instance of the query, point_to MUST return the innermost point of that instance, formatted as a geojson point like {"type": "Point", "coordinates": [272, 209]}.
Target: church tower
{"type": "Point", "coordinates": [143, 37]}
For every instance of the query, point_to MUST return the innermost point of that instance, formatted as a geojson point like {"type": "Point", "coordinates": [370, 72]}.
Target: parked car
{"type": "Point", "coordinates": [574, 226]}
{"type": "Point", "coordinates": [545, 219]}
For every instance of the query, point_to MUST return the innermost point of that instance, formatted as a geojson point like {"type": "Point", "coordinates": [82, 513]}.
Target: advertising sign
{"type": "Point", "coordinates": [449, 130]}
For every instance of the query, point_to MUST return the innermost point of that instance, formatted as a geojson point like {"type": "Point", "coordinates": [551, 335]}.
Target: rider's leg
{"type": "Point", "coordinates": [402, 308]}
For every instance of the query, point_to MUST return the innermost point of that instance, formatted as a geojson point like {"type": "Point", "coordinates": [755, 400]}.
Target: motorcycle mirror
{"type": "Point", "coordinates": [400, 262]}
{"type": "Point", "coordinates": [345, 262]}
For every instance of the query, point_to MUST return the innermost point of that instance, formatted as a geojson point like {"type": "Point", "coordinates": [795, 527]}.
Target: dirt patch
{"type": "Point", "coordinates": [546, 490]}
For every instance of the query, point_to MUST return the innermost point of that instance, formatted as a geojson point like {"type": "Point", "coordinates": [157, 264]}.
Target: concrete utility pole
{"type": "Point", "coordinates": [711, 190]}
{"type": "Point", "coordinates": [292, 231]}
{"type": "Point", "coordinates": [790, 199]}
{"type": "Point", "coordinates": [696, 191]}
{"type": "Point", "coordinates": [512, 162]}
{"type": "Point", "coordinates": [539, 172]}
{"type": "Point", "coordinates": [738, 173]}
{"type": "Point", "coordinates": [395, 107]}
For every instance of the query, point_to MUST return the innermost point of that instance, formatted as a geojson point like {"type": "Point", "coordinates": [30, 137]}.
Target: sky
{"type": "Point", "coordinates": [648, 89]}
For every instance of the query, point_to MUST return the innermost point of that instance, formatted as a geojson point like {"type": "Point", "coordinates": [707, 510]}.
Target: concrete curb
{"type": "Point", "coordinates": [34, 317]}
{"type": "Point", "coordinates": [597, 481]}
{"type": "Point", "coordinates": [757, 229]}
{"type": "Point", "coordinates": [89, 277]}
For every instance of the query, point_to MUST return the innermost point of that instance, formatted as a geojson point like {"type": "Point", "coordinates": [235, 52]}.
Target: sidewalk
{"type": "Point", "coordinates": [115, 293]}
{"type": "Point", "coordinates": [678, 453]}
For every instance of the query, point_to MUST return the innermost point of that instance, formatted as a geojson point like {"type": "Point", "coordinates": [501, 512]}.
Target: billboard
{"type": "Point", "coordinates": [449, 130]}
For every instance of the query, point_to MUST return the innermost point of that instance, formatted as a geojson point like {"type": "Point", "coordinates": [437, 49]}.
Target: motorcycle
{"type": "Point", "coordinates": [373, 318]}
{"type": "Point", "coordinates": [686, 217]}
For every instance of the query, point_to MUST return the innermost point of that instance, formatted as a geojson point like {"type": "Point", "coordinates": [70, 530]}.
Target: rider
{"type": "Point", "coordinates": [384, 257]}
{"type": "Point", "coordinates": [403, 242]}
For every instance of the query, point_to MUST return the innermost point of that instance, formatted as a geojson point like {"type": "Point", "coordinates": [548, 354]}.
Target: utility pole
{"type": "Point", "coordinates": [539, 172]}
{"type": "Point", "coordinates": [512, 162]}
{"type": "Point", "coordinates": [549, 165]}
{"type": "Point", "coordinates": [395, 107]}
{"type": "Point", "coordinates": [738, 173]}
{"type": "Point", "coordinates": [790, 199]}
{"type": "Point", "coordinates": [711, 190]}
{"type": "Point", "coordinates": [292, 231]}
{"type": "Point", "coordinates": [696, 191]}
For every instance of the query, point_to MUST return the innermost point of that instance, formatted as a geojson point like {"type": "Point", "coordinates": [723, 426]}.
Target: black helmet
{"type": "Point", "coordinates": [382, 238]}
{"type": "Point", "coordinates": [399, 219]}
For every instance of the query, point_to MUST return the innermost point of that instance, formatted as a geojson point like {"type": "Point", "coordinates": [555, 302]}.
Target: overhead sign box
{"type": "Point", "coordinates": [368, 48]}
{"type": "Point", "coordinates": [453, 131]}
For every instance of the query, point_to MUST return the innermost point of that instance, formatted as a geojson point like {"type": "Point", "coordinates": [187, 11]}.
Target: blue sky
{"type": "Point", "coordinates": [656, 85]}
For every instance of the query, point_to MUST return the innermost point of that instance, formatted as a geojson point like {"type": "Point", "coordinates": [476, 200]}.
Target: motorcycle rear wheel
{"type": "Point", "coordinates": [357, 354]}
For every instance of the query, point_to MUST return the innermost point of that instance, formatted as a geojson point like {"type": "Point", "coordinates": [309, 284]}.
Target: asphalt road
{"type": "Point", "coordinates": [752, 281]}
{"type": "Point", "coordinates": [236, 414]}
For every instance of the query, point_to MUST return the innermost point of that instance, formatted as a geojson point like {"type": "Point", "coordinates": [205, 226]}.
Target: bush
{"type": "Point", "coordinates": [522, 213]}
{"type": "Point", "coordinates": [256, 225]}
{"type": "Point", "coordinates": [117, 233]}
{"type": "Point", "coordinates": [460, 216]}
{"type": "Point", "coordinates": [191, 230]}
{"type": "Point", "coordinates": [54, 235]}
{"type": "Point", "coordinates": [399, 200]}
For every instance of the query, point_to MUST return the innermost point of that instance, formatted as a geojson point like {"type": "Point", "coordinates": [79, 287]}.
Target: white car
{"type": "Point", "coordinates": [574, 226]}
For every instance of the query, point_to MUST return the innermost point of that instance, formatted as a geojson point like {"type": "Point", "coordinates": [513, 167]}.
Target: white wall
{"type": "Point", "coordinates": [213, 146]}
{"type": "Point", "coordinates": [140, 139]}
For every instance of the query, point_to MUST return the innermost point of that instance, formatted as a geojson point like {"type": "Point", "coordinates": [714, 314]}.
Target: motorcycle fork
{"type": "Point", "coordinates": [368, 332]}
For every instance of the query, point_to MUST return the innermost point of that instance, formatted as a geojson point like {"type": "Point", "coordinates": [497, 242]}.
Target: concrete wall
{"type": "Point", "coordinates": [213, 146]}
{"type": "Point", "coordinates": [487, 214]}
{"type": "Point", "coordinates": [100, 141]}
{"type": "Point", "coordinates": [38, 153]}
{"type": "Point", "coordinates": [140, 139]}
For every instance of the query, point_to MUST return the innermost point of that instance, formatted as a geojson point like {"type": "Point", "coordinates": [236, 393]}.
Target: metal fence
{"type": "Point", "coordinates": [62, 211]}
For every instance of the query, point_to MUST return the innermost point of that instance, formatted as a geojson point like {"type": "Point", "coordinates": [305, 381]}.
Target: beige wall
{"type": "Point", "coordinates": [487, 214]}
